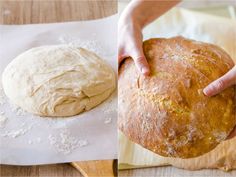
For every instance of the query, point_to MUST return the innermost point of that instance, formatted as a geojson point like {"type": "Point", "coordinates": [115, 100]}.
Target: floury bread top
{"type": "Point", "coordinates": [167, 111]}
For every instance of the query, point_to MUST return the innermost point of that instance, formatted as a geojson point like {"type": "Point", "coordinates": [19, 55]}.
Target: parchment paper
{"type": "Point", "coordinates": [202, 27]}
{"type": "Point", "coordinates": [27, 139]}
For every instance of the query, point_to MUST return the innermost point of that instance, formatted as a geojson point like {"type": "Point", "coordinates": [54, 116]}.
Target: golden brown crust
{"type": "Point", "coordinates": [167, 112]}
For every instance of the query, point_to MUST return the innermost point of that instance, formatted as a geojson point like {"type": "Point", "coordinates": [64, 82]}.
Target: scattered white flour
{"type": "Point", "coordinates": [92, 45]}
{"type": "Point", "coordinates": [220, 136]}
{"type": "Point", "coordinates": [35, 141]}
{"type": "Point", "coordinates": [108, 120]}
{"type": "Point", "coordinates": [30, 142]}
{"type": "Point", "coordinates": [17, 110]}
{"type": "Point", "coordinates": [23, 128]}
{"type": "Point", "coordinates": [2, 96]}
{"type": "Point", "coordinates": [3, 120]}
{"type": "Point", "coordinates": [82, 143]}
{"type": "Point", "coordinates": [51, 122]}
{"type": "Point", "coordinates": [64, 39]}
{"type": "Point", "coordinates": [170, 150]}
{"type": "Point", "coordinates": [109, 109]}
{"type": "Point", "coordinates": [65, 143]}
{"type": "Point", "coordinates": [18, 132]}
{"type": "Point", "coordinates": [2, 100]}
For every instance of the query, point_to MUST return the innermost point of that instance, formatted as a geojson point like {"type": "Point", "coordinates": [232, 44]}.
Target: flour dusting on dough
{"type": "Point", "coordinates": [220, 136]}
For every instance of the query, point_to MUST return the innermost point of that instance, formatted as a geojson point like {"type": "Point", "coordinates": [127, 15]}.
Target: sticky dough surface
{"type": "Point", "coordinates": [58, 80]}
{"type": "Point", "coordinates": [167, 112]}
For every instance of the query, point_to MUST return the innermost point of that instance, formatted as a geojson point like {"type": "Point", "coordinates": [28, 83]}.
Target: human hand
{"type": "Point", "coordinates": [222, 83]}
{"type": "Point", "coordinates": [135, 17]}
{"type": "Point", "coordinates": [130, 43]}
{"type": "Point", "coordinates": [219, 85]}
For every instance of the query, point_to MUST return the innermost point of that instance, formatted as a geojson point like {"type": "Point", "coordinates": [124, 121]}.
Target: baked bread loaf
{"type": "Point", "coordinates": [167, 111]}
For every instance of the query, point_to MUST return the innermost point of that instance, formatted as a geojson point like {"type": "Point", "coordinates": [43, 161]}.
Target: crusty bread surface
{"type": "Point", "coordinates": [167, 111]}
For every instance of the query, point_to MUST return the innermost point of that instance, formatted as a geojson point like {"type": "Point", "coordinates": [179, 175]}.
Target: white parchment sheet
{"type": "Point", "coordinates": [26, 139]}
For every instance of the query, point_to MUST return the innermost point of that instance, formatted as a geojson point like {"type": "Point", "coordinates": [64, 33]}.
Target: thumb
{"type": "Point", "coordinates": [222, 83]}
{"type": "Point", "coordinates": [140, 60]}
{"type": "Point", "coordinates": [142, 65]}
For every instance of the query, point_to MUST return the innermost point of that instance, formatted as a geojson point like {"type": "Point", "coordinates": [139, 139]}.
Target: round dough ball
{"type": "Point", "coordinates": [58, 80]}
{"type": "Point", "coordinates": [167, 111]}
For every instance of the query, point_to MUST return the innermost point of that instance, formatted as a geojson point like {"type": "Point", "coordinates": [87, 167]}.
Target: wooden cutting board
{"type": "Point", "coordinates": [97, 168]}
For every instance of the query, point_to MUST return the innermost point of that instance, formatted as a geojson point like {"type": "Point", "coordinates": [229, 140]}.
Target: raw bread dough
{"type": "Point", "coordinates": [167, 112]}
{"type": "Point", "coordinates": [58, 80]}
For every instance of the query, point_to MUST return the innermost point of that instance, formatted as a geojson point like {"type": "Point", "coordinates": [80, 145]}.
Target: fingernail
{"type": "Point", "coordinates": [206, 91]}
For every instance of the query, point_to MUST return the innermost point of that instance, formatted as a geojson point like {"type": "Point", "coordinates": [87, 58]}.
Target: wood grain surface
{"type": "Point", "coordinates": [56, 170]}
{"type": "Point", "coordinates": [97, 168]}
{"type": "Point", "coordinates": [48, 11]}
{"type": "Point", "coordinates": [173, 172]}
